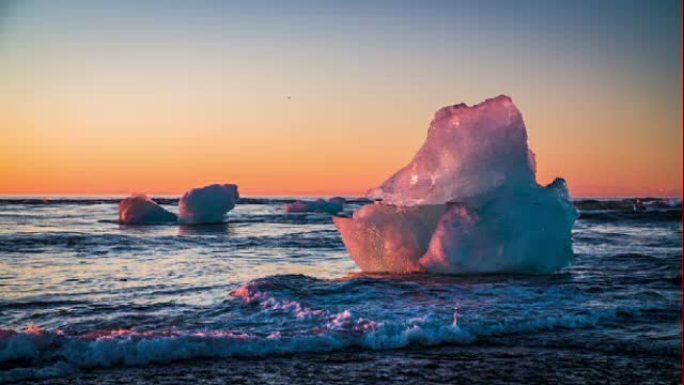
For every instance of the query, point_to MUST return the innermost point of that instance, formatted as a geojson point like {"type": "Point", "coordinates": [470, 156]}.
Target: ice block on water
{"type": "Point", "coordinates": [331, 206]}
{"type": "Point", "coordinates": [476, 167]}
{"type": "Point", "coordinates": [141, 210]}
{"type": "Point", "coordinates": [516, 232]}
{"type": "Point", "coordinates": [207, 204]}
{"type": "Point", "coordinates": [387, 238]}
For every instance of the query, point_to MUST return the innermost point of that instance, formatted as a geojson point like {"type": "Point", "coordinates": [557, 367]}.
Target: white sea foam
{"type": "Point", "coordinates": [62, 355]}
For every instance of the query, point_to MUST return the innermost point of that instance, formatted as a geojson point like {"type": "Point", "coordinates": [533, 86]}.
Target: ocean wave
{"type": "Point", "coordinates": [34, 352]}
{"type": "Point", "coordinates": [36, 348]}
{"type": "Point", "coordinates": [38, 353]}
{"type": "Point", "coordinates": [617, 216]}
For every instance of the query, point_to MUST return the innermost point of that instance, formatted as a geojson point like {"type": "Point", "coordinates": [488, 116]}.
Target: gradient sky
{"type": "Point", "coordinates": [329, 97]}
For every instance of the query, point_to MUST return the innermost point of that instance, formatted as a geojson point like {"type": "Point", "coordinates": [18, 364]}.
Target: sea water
{"type": "Point", "coordinates": [81, 295]}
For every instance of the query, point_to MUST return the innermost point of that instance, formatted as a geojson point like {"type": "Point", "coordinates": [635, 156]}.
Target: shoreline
{"type": "Point", "coordinates": [424, 365]}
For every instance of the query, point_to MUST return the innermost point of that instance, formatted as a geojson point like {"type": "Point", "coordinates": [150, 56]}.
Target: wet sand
{"type": "Point", "coordinates": [437, 365]}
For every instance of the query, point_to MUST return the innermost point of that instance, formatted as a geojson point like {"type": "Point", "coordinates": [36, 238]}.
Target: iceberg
{"type": "Point", "coordinates": [207, 204]}
{"type": "Point", "coordinates": [138, 209]}
{"type": "Point", "coordinates": [305, 206]}
{"type": "Point", "coordinates": [331, 206]}
{"type": "Point", "coordinates": [467, 203]}
{"type": "Point", "coordinates": [335, 205]}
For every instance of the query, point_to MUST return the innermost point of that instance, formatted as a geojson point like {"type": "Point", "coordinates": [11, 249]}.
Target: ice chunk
{"type": "Point", "coordinates": [467, 203]}
{"type": "Point", "coordinates": [207, 204]}
{"type": "Point", "coordinates": [335, 205]}
{"type": "Point", "coordinates": [305, 206]}
{"type": "Point", "coordinates": [298, 207]}
{"type": "Point", "coordinates": [332, 206]}
{"type": "Point", "coordinates": [469, 151]}
{"type": "Point", "coordinates": [527, 232]}
{"type": "Point", "coordinates": [386, 238]}
{"type": "Point", "coordinates": [141, 210]}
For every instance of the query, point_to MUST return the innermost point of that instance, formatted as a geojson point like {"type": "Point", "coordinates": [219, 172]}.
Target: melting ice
{"type": "Point", "coordinates": [138, 209]}
{"type": "Point", "coordinates": [207, 204]}
{"type": "Point", "coordinates": [331, 206]}
{"type": "Point", "coordinates": [467, 203]}
{"type": "Point", "coordinates": [202, 205]}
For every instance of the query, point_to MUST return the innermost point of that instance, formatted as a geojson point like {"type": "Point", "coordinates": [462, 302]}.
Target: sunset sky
{"type": "Point", "coordinates": [328, 97]}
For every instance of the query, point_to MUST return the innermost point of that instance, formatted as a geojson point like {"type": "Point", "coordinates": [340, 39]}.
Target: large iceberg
{"type": "Point", "coordinates": [138, 209]}
{"type": "Point", "coordinates": [207, 204]}
{"type": "Point", "coordinates": [467, 203]}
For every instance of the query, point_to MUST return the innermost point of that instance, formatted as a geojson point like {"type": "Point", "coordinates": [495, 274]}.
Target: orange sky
{"type": "Point", "coordinates": [133, 106]}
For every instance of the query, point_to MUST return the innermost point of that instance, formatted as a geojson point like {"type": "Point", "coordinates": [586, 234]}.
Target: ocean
{"type": "Point", "coordinates": [270, 297]}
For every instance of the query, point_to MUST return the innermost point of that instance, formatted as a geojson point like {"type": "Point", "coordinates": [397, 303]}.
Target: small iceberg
{"type": "Point", "coordinates": [138, 209]}
{"type": "Point", "coordinates": [207, 204]}
{"type": "Point", "coordinates": [331, 206]}
{"type": "Point", "coordinates": [204, 205]}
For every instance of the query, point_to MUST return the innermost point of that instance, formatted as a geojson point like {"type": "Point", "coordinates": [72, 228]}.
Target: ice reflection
{"type": "Point", "coordinates": [214, 228]}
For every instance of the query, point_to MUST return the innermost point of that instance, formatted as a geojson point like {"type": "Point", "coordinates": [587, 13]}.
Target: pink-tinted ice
{"type": "Point", "coordinates": [468, 202]}
{"type": "Point", "coordinates": [138, 209]}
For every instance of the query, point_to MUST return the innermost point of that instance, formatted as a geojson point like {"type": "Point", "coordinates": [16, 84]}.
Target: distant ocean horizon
{"type": "Point", "coordinates": [299, 196]}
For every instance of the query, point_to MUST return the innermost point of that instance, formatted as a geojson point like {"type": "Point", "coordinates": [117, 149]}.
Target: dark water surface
{"type": "Point", "coordinates": [274, 298]}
